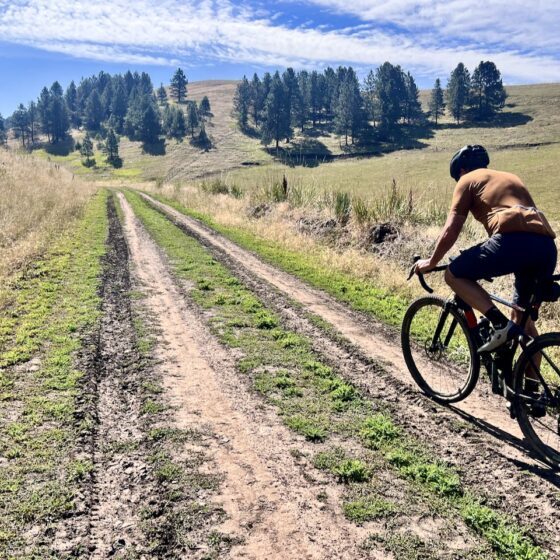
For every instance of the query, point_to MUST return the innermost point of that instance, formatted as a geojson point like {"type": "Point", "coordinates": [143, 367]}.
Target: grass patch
{"type": "Point", "coordinates": [367, 509]}
{"type": "Point", "coordinates": [57, 303]}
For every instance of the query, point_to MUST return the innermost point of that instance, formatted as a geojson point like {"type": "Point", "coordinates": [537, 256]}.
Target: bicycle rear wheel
{"type": "Point", "coordinates": [445, 366]}
{"type": "Point", "coordinates": [537, 410]}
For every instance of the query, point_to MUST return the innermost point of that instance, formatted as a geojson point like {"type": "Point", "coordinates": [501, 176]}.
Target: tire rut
{"type": "Point", "coordinates": [268, 494]}
{"type": "Point", "coordinates": [119, 482]}
{"type": "Point", "coordinates": [477, 437]}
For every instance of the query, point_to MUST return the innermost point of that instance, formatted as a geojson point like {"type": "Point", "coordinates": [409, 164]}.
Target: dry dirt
{"type": "Point", "coordinates": [477, 436]}
{"type": "Point", "coordinates": [271, 504]}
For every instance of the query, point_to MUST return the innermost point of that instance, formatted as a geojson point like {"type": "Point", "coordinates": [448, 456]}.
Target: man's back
{"type": "Point", "coordinates": [500, 201]}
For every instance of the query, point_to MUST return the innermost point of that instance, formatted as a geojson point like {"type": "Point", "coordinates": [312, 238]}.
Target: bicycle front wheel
{"type": "Point", "coordinates": [537, 400]}
{"type": "Point", "coordinates": [438, 349]}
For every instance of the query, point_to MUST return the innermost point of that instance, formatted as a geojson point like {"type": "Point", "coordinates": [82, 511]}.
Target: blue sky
{"type": "Point", "coordinates": [45, 40]}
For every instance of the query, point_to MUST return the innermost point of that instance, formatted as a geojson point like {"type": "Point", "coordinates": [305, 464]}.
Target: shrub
{"type": "Point", "coordinates": [360, 210]}
{"type": "Point", "coordinates": [217, 186]}
{"type": "Point", "coordinates": [342, 207]}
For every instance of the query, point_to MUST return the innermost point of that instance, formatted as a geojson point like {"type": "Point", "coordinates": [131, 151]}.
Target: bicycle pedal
{"type": "Point", "coordinates": [511, 410]}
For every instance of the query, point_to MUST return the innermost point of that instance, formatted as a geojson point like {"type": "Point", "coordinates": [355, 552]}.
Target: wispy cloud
{"type": "Point", "coordinates": [425, 36]}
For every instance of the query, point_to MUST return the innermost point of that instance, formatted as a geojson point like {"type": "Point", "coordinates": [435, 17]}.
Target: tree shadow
{"type": "Point", "coordinates": [500, 120]}
{"type": "Point", "coordinates": [320, 129]}
{"type": "Point", "coordinates": [154, 148]}
{"type": "Point", "coordinates": [250, 131]}
{"type": "Point", "coordinates": [62, 148]}
{"type": "Point", "coordinates": [304, 152]}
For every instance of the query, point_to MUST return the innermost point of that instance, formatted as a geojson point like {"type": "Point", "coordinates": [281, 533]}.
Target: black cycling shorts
{"type": "Point", "coordinates": [529, 256]}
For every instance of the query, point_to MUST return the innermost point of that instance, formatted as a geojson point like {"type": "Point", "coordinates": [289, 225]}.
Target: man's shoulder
{"type": "Point", "coordinates": [485, 175]}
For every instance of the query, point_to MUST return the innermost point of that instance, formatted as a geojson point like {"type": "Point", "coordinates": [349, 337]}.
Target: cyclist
{"type": "Point", "coordinates": [521, 241]}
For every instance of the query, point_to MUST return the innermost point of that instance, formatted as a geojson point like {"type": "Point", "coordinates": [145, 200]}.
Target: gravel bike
{"type": "Point", "coordinates": [440, 340]}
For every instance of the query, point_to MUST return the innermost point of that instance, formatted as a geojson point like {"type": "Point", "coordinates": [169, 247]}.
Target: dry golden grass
{"type": "Point", "coordinates": [38, 200]}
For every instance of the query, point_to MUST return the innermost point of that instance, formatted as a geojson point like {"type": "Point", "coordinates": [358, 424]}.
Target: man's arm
{"type": "Point", "coordinates": [460, 207]}
{"type": "Point", "coordinates": [448, 237]}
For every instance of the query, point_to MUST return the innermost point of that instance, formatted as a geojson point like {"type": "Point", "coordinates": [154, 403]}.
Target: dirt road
{"type": "Point", "coordinates": [477, 436]}
{"type": "Point", "coordinates": [270, 504]}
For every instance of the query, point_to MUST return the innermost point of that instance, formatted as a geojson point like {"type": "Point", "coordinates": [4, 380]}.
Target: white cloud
{"type": "Point", "coordinates": [517, 24]}
{"type": "Point", "coordinates": [172, 32]}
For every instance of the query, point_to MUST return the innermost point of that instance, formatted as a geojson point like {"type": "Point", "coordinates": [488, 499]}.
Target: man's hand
{"type": "Point", "coordinates": [423, 266]}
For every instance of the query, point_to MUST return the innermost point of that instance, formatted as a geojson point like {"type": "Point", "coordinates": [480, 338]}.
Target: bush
{"type": "Point", "coordinates": [236, 192]}
{"type": "Point", "coordinates": [360, 210]}
{"type": "Point", "coordinates": [217, 186]}
{"type": "Point", "coordinates": [342, 207]}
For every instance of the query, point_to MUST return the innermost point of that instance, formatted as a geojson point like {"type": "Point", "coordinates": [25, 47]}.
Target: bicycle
{"type": "Point", "coordinates": [440, 340]}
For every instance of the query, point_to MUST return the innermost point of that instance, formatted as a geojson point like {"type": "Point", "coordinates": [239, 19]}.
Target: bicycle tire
{"type": "Point", "coordinates": [408, 345]}
{"type": "Point", "coordinates": [528, 422]}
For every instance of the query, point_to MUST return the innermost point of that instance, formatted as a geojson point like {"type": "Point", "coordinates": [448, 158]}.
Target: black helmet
{"type": "Point", "coordinates": [469, 158]}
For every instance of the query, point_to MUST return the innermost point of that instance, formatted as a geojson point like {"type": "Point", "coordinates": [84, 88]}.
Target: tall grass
{"type": "Point", "coordinates": [38, 199]}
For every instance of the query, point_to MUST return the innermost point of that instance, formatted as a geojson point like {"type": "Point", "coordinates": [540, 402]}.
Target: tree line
{"type": "Point", "coordinates": [388, 99]}
{"type": "Point", "coordinates": [107, 106]}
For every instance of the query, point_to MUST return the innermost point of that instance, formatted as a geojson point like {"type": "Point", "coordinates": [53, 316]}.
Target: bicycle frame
{"type": "Point", "coordinates": [472, 322]}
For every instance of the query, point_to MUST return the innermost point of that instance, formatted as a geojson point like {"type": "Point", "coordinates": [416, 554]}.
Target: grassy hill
{"type": "Point", "coordinates": [178, 160]}
{"type": "Point", "coordinates": [524, 139]}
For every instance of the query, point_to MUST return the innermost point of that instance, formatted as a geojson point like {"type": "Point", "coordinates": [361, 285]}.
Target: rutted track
{"type": "Point", "coordinates": [488, 452]}
{"type": "Point", "coordinates": [119, 483]}
{"type": "Point", "coordinates": [270, 501]}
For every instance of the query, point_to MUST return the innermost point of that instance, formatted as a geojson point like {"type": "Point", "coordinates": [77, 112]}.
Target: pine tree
{"type": "Point", "coordinates": [145, 85]}
{"type": "Point", "coordinates": [20, 123]}
{"type": "Point", "coordinates": [241, 102]}
{"type": "Point", "coordinates": [56, 89]}
{"type": "Point", "coordinates": [59, 116]}
{"type": "Point", "coordinates": [290, 91]}
{"type": "Point", "coordinates": [44, 109]}
{"type": "Point", "coordinates": [349, 117]}
{"type": "Point", "coordinates": [179, 86]}
{"type": "Point", "coordinates": [107, 100]}
{"type": "Point", "coordinates": [142, 120]}
{"type": "Point", "coordinates": [179, 125]}
{"type": "Point", "coordinates": [329, 90]}
{"type": "Point", "coordinates": [192, 118]}
{"type": "Point", "coordinates": [32, 120]}
{"type": "Point", "coordinates": [112, 149]}
{"type": "Point", "coordinates": [413, 107]}
{"type": "Point", "coordinates": [202, 139]}
{"type": "Point", "coordinates": [174, 124]}
{"type": "Point", "coordinates": [71, 98]}
{"type": "Point", "coordinates": [86, 150]}
{"type": "Point", "coordinates": [392, 96]}
{"type": "Point", "coordinates": [437, 102]}
{"type": "Point", "coordinates": [300, 110]}
{"type": "Point", "coordinates": [457, 92]}
{"type": "Point", "coordinates": [119, 106]}
{"type": "Point", "coordinates": [315, 96]}
{"type": "Point", "coordinates": [3, 134]}
{"type": "Point", "coordinates": [162, 96]}
{"type": "Point", "coordinates": [276, 123]}
{"type": "Point", "coordinates": [257, 99]}
{"type": "Point", "coordinates": [488, 93]}
{"type": "Point", "coordinates": [371, 102]}
{"type": "Point", "coordinates": [204, 107]}
{"type": "Point", "coordinates": [94, 113]}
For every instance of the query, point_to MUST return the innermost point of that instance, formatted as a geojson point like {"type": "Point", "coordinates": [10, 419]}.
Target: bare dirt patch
{"type": "Point", "coordinates": [478, 436]}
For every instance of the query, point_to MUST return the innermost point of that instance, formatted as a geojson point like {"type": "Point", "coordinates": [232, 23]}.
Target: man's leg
{"type": "Point", "coordinates": [470, 292]}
